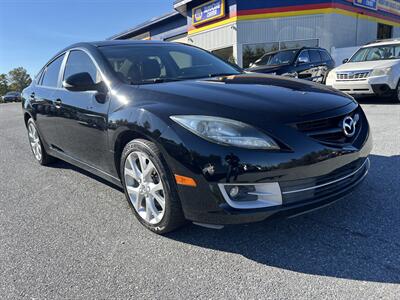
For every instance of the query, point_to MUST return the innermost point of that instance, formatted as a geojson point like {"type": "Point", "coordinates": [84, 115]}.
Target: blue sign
{"type": "Point", "coordinates": [370, 4]}
{"type": "Point", "coordinates": [207, 12]}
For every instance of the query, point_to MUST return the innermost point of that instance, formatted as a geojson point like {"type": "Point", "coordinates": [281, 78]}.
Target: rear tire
{"type": "Point", "coordinates": [150, 188]}
{"type": "Point", "coordinates": [38, 150]}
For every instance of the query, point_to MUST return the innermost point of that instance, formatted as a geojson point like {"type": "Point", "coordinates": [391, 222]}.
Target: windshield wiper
{"type": "Point", "coordinates": [154, 80]}
{"type": "Point", "coordinates": [221, 74]}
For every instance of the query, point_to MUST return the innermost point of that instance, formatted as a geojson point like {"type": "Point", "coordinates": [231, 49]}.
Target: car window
{"type": "Point", "coordinates": [51, 73]}
{"type": "Point", "coordinates": [325, 56]}
{"type": "Point", "coordinates": [79, 62]}
{"type": "Point", "coordinates": [304, 57]}
{"type": "Point", "coordinates": [143, 64]}
{"type": "Point", "coordinates": [314, 56]}
{"type": "Point", "coordinates": [384, 52]}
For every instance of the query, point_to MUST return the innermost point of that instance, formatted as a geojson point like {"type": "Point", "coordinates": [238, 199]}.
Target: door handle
{"type": "Point", "coordinates": [58, 103]}
{"type": "Point", "coordinates": [33, 95]}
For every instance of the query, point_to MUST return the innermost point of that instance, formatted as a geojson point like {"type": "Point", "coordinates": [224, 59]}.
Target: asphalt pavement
{"type": "Point", "coordinates": [67, 234]}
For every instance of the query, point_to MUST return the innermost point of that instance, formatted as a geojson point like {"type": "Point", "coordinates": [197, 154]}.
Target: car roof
{"type": "Point", "coordinates": [118, 42]}
{"type": "Point", "coordinates": [296, 49]}
{"type": "Point", "coordinates": [383, 43]}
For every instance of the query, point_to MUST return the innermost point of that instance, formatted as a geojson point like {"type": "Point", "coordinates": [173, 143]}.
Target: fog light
{"type": "Point", "coordinates": [249, 196]}
{"type": "Point", "coordinates": [234, 191]}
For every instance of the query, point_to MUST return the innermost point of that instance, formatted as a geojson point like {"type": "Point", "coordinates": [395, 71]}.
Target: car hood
{"type": "Point", "coordinates": [247, 95]}
{"type": "Point", "coordinates": [367, 65]}
{"type": "Point", "coordinates": [269, 69]}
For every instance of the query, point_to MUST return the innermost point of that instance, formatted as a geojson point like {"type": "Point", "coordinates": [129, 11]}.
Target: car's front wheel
{"type": "Point", "coordinates": [149, 187]}
{"type": "Point", "coordinates": [396, 97]}
{"type": "Point", "coordinates": [39, 152]}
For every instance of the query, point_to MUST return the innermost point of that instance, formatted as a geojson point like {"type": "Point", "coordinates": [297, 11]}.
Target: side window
{"type": "Point", "coordinates": [304, 57]}
{"type": "Point", "coordinates": [79, 62]}
{"type": "Point", "coordinates": [325, 56]}
{"type": "Point", "coordinates": [51, 73]}
{"type": "Point", "coordinates": [314, 56]}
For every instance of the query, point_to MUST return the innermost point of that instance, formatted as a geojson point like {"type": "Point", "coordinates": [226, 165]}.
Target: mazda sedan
{"type": "Point", "coordinates": [190, 137]}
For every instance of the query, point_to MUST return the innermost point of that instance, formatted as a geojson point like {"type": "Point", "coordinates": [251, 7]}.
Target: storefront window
{"type": "Point", "coordinates": [226, 54]}
{"type": "Point", "coordinates": [384, 31]}
{"type": "Point", "coordinates": [298, 44]}
{"type": "Point", "coordinates": [252, 52]}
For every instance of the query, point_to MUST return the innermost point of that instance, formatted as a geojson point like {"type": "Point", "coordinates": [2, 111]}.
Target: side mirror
{"type": "Point", "coordinates": [80, 82]}
{"type": "Point", "coordinates": [345, 60]}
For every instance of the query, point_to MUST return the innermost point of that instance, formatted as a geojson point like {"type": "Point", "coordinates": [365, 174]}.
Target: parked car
{"type": "Point", "coordinates": [12, 97]}
{"type": "Point", "coordinates": [374, 70]}
{"type": "Point", "coordinates": [304, 63]}
{"type": "Point", "coordinates": [189, 137]}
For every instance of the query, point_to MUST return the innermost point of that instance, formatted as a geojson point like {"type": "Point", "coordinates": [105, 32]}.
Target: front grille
{"type": "Point", "coordinates": [352, 75]}
{"type": "Point", "coordinates": [330, 131]}
{"type": "Point", "coordinates": [326, 185]}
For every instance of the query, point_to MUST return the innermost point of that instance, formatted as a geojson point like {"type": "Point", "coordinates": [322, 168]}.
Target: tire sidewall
{"type": "Point", "coordinates": [397, 96]}
{"type": "Point", "coordinates": [165, 176]}
{"type": "Point", "coordinates": [42, 159]}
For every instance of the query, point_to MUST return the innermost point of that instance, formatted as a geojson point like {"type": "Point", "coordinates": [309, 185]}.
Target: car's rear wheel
{"type": "Point", "coordinates": [39, 152]}
{"type": "Point", "coordinates": [149, 187]}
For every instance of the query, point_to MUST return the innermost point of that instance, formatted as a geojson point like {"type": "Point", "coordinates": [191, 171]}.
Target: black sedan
{"type": "Point", "coordinates": [12, 97]}
{"type": "Point", "coordinates": [190, 137]}
{"type": "Point", "coordinates": [305, 63]}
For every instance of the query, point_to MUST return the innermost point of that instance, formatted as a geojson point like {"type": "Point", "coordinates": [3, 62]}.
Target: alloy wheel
{"type": "Point", "coordinates": [144, 187]}
{"type": "Point", "coordinates": [35, 141]}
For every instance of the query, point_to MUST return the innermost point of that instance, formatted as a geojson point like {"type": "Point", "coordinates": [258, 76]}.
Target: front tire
{"type": "Point", "coordinates": [396, 98]}
{"type": "Point", "coordinates": [38, 150]}
{"type": "Point", "coordinates": [149, 187]}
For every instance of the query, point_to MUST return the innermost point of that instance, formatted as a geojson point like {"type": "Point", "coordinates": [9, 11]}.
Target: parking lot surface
{"type": "Point", "coordinates": [67, 234]}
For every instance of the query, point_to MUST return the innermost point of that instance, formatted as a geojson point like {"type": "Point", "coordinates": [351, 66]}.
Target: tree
{"type": "Point", "coordinates": [3, 84]}
{"type": "Point", "coordinates": [18, 79]}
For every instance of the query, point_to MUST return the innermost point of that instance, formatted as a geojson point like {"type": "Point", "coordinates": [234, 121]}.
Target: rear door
{"type": "Point", "coordinates": [83, 118]}
{"type": "Point", "coordinates": [44, 102]}
{"type": "Point", "coordinates": [318, 67]}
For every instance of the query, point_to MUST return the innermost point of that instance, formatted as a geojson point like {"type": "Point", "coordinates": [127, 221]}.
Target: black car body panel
{"type": "Point", "coordinates": [91, 134]}
{"type": "Point", "coordinates": [313, 69]}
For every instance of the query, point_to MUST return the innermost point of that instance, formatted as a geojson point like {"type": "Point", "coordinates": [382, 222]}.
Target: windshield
{"type": "Point", "coordinates": [140, 64]}
{"type": "Point", "coordinates": [279, 58]}
{"type": "Point", "coordinates": [12, 94]}
{"type": "Point", "coordinates": [377, 53]}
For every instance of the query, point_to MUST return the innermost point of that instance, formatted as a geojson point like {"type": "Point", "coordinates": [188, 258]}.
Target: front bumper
{"type": "Point", "coordinates": [307, 180]}
{"type": "Point", "coordinates": [378, 85]}
{"type": "Point", "coordinates": [295, 202]}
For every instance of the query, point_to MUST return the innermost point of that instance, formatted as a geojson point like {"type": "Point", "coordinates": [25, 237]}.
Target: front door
{"type": "Point", "coordinates": [83, 117]}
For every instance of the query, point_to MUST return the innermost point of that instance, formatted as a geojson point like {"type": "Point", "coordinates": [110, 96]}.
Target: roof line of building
{"type": "Point", "coordinates": [144, 25]}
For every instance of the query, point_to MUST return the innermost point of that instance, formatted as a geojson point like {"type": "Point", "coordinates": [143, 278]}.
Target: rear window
{"type": "Point", "coordinates": [314, 55]}
{"type": "Point", "coordinates": [325, 56]}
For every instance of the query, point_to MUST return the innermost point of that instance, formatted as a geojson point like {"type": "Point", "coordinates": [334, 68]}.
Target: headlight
{"type": "Point", "coordinates": [226, 132]}
{"type": "Point", "coordinates": [331, 76]}
{"type": "Point", "coordinates": [381, 71]}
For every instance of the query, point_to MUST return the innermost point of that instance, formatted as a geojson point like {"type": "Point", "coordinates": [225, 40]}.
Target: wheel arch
{"type": "Point", "coordinates": [27, 116]}
{"type": "Point", "coordinates": [142, 125]}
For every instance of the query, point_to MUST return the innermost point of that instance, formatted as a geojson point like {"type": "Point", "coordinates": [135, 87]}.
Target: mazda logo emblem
{"type": "Point", "coordinates": [349, 125]}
